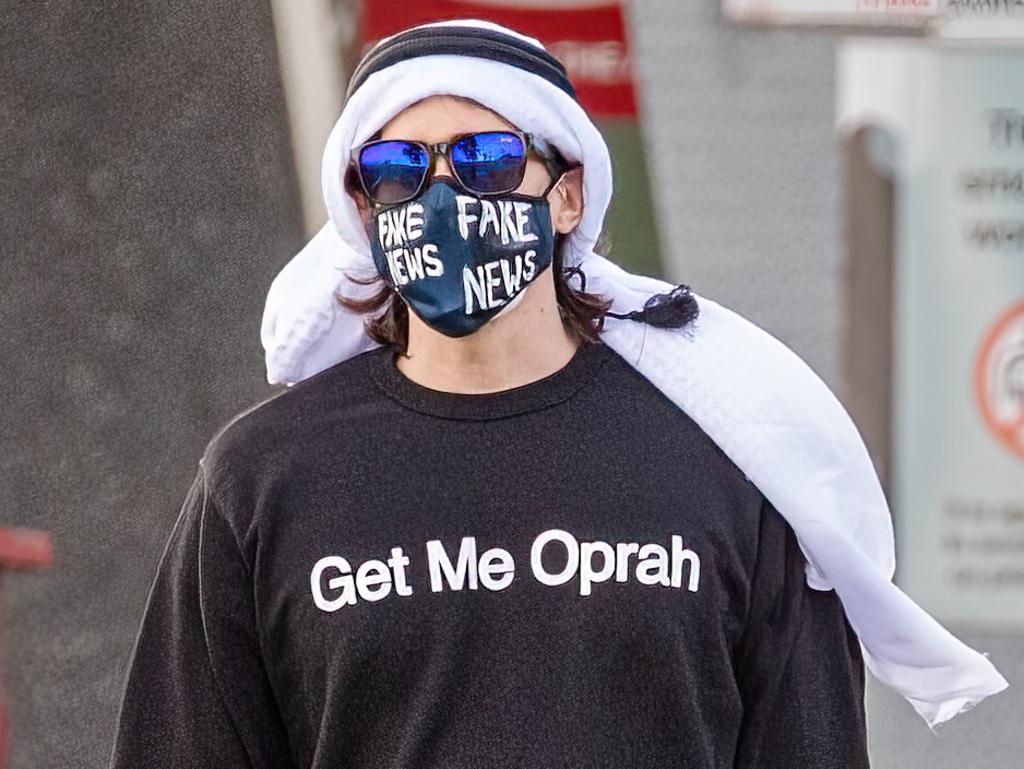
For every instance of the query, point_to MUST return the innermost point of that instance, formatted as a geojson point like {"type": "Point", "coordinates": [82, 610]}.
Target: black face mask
{"type": "Point", "coordinates": [457, 259]}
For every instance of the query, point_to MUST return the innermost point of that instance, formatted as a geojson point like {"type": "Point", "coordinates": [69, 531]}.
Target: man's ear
{"type": "Point", "coordinates": [364, 208]}
{"type": "Point", "coordinates": [567, 201]}
{"type": "Point", "coordinates": [356, 193]}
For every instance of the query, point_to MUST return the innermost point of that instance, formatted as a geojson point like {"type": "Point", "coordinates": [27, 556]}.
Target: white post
{"type": "Point", "coordinates": [311, 72]}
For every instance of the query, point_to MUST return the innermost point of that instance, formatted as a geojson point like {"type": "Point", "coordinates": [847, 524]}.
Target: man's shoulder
{"type": "Point", "coordinates": [264, 433]}
{"type": "Point", "coordinates": [657, 417]}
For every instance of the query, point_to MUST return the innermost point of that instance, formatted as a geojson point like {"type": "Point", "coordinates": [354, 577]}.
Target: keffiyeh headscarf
{"type": "Point", "coordinates": [761, 404]}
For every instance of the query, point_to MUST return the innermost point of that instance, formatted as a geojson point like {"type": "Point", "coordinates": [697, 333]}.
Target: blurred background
{"type": "Point", "coordinates": [848, 174]}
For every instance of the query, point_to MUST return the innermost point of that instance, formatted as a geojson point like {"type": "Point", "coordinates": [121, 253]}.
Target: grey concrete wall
{"type": "Point", "coordinates": [148, 198]}
{"type": "Point", "coordinates": [748, 184]}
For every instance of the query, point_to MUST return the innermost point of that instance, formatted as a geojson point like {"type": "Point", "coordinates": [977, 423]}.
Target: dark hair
{"type": "Point", "coordinates": [582, 312]}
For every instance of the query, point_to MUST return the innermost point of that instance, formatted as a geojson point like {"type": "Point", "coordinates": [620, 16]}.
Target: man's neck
{"type": "Point", "coordinates": [525, 344]}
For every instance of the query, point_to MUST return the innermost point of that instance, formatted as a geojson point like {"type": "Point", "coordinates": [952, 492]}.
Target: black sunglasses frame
{"type": "Point", "coordinates": [530, 143]}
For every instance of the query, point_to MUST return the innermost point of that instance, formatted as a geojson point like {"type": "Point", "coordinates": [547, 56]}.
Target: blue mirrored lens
{"type": "Point", "coordinates": [489, 162]}
{"type": "Point", "coordinates": [392, 170]}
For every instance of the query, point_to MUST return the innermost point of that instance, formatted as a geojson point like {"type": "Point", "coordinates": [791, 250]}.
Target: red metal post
{"type": "Point", "coordinates": [20, 550]}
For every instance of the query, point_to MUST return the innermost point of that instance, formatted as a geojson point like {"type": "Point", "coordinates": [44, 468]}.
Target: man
{"type": "Point", "coordinates": [486, 539]}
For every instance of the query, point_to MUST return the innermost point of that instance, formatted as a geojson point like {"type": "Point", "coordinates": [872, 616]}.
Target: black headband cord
{"type": "Point", "coordinates": [462, 41]}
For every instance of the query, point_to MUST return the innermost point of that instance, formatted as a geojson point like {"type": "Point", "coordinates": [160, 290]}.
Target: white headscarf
{"type": "Point", "coordinates": [763, 406]}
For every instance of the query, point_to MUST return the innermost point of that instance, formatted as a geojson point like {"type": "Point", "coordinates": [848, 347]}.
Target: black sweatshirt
{"type": "Point", "coordinates": [370, 573]}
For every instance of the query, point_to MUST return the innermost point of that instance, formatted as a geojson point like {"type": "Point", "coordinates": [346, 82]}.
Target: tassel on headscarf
{"type": "Point", "coordinates": [673, 309]}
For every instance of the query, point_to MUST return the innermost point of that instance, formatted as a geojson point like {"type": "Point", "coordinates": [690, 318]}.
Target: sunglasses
{"type": "Point", "coordinates": [485, 163]}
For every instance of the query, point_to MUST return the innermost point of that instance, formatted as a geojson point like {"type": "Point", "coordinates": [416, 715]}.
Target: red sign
{"type": "Point", "coordinates": [589, 39]}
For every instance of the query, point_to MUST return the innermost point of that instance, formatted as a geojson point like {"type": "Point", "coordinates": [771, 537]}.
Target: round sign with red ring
{"type": "Point", "coordinates": [999, 378]}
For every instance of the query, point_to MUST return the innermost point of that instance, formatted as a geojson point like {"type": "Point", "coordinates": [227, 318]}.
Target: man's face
{"type": "Point", "coordinates": [439, 118]}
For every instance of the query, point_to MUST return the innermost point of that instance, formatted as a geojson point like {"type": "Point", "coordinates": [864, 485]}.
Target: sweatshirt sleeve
{"type": "Point", "coordinates": [798, 666]}
{"type": "Point", "coordinates": [196, 693]}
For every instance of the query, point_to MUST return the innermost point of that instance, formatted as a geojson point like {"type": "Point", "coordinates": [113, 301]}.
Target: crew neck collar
{"type": "Point", "coordinates": [541, 393]}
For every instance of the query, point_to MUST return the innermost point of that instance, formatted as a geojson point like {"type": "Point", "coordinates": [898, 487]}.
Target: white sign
{"type": "Point", "coordinates": [957, 112]}
{"type": "Point", "coordinates": [973, 19]}
{"type": "Point", "coordinates": [914, 13]}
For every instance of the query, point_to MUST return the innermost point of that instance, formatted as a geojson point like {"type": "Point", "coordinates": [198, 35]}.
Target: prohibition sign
{"type": "Point", "coordinates": [999, 378]}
